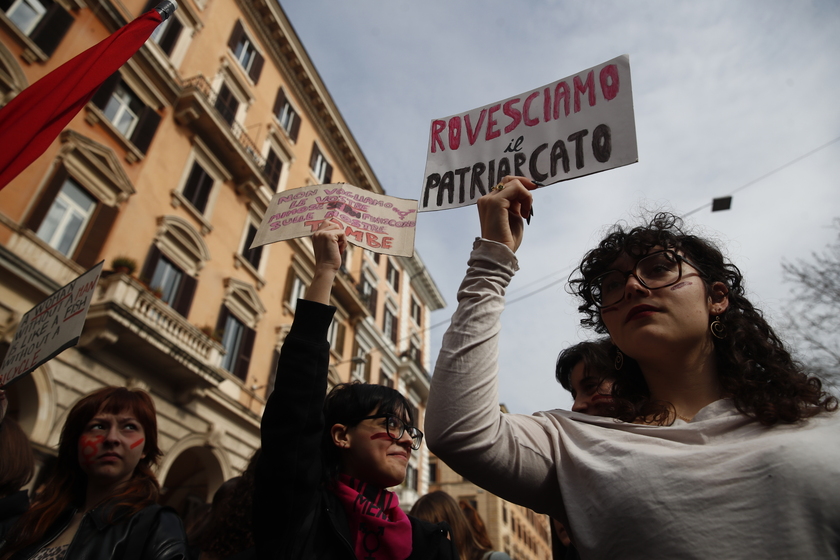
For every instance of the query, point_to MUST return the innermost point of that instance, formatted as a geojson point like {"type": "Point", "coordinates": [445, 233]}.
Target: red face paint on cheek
{"type": "Point", "coordinates": [680, 285]}
{"type": "Point", "coordinates": [90, 447]}
{"type": "Point", "coordinates": [138, 442]}
{"type": "Point", "coordinates": [380, 435]}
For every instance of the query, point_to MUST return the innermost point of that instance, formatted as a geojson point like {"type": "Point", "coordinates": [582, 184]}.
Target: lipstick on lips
{"type": "Point", "coordinates": [640, 310]}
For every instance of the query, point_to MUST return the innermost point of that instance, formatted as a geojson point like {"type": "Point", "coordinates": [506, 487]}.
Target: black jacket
{"type": "Point", "coordinates": [11, 508]}
{"type": "Point", "coordinates": [154, 533]}
{"type": "Point", "coordinates": [295, 516]}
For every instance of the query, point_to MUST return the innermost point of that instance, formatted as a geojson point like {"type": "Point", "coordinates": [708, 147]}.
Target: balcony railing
{"type": "Point", "coordinates": [149, 333]}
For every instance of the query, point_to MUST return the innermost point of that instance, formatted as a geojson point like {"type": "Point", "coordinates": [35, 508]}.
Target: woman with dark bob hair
{"type": "Point", "coordinates": [724, 447]}
{"type": "Point", "coordinates": [101, 501]}
{"type": "Point", "coordinates": [327, 460]}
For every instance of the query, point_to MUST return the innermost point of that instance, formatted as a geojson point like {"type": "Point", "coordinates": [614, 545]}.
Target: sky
{"type": "Point", "coordinates": [725, 92]}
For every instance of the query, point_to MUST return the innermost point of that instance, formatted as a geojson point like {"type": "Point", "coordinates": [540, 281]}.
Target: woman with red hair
{"type": "Point", "coordinates": [101, 503]}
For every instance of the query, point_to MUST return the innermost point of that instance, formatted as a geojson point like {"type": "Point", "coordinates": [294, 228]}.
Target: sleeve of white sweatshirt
{"type": "Point", "coordinates": [510, 455]}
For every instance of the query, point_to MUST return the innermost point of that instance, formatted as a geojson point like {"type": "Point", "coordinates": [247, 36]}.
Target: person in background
{"type": "Point", "coordinates": [17, 464]}
{"type": "Point", "coordinates": [327, 461]}
{"type": "Point", "coordinates": [440, 507]}
{"type": "Point", "coordinates": [479, 532]}
{"type": "Point", "coordinates": [100, 503]}
{"type": "Point", "coordinates": [586, 370]}
{"type": "Point", "coordinates": [722, 446]}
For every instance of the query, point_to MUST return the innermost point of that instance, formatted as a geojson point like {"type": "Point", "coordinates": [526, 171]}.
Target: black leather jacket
{"type": "Point", "coordinates": [97, 539]}
{"type": "Point", "coordinates": [295, 516]}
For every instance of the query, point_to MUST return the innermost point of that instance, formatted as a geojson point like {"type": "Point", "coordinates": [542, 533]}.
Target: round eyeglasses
{"type": "Point", "coordinates": [396, 427]}
{"type": "Point", "coordinates": [653, 271]}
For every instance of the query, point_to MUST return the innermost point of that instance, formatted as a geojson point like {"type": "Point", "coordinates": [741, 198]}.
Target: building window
{"type": "Point", "coordinates": [67, 218]}
{"type": "Point", "coordinates": [245, 52]}
{"type": "Point", "coordinates": [368, 293]}
{"type": "Point", "coordinates": [26, 14]}
{"type": "Point", "coordinates": [273, 168]}
{"type": "Point", "coordinates": [390, 324]}
{"type": "Point", "coordinates": [361, 362]}
{"type": "Point", "coordinates": [386, 379]}
{"type": "Point", "coordinates": [130, 116]}
{"type": "Point", "coordinates": [433, 470]}
{"type": "Point", "coordinates": [416, 312]}
{"type": "Point", "coordinates": [197, 188]}
{"type": "Point", "coordinates": [238, 342]}
{"type": "Point", "coordinates": [392, 274]}
{"type": "Point", "coordinates": [414, 352]}
{"type": "Point", "coordinates": [45, 22]}
{"type": "Point", "coordinates": [175, 287]}
{"type": "Point", "coordinates": [319, 166]}
{"type": "Point", "coordinates": [295, 290]}
{"type": "Point", "coordinates": [411, 477]}
{"type": "Point", "coordinates": [227, 104]}
{"type": "Point", "coordinates": [335, 336]}
{"type": "Point", "coordinates": [286, 115]}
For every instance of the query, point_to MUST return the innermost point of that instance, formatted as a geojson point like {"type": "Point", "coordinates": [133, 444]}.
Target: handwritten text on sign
{"type": "Point", "coordinates": [576, 126]}
{"type": "Point", "coordinates": [50, 327]}
{"type": "Point", "coordinates": [382, 224]}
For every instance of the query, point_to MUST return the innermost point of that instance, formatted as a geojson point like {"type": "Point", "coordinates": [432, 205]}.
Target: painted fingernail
{"type": "Point", "coordinates": [530, 215]}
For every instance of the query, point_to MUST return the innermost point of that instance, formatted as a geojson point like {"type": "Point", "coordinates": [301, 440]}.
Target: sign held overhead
{"type": "Point", "coordinates": [576, 126]}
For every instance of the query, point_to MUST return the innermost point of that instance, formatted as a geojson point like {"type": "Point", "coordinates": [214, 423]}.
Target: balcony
{"type": "Point", "coordinates": [131, 322]}
{"type": "Point", "coordinates": [197, 109]}
{"type": "Point", "coordinates": [415, 377]}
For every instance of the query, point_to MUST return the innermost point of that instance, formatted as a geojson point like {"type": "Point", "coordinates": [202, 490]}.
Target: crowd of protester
{"type": "Point", "coordinates": [693, 433]}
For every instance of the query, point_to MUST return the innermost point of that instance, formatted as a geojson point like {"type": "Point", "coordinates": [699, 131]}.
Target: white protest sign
{"type": "Point", "coordinates": [573, 127]}
{"type": "Point", "coordinates": [50, 327]}
{"type": "Point", "coordinates": [382, 224]}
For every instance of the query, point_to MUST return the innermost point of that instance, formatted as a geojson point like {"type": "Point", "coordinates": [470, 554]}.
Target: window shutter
{"type": "Point", "coordinates": [90, 245]}
{"type": "Point", "coordinates": [314, 156]}
{"type": "Point", "coordinates": [222, 322]}
{"type": "Point", "coordinates": [184, 298]}
{"type": "Point", "coordinates": [279, 101]}
{"type": "Point", "coordinates": [198, 187]}
{"type": "Point", "coordinates": [236, 35]}
{"type": "Point", "coordinates": [397, 280]}
{"type": "Point", "coordinates": [293, 133]}
{"type": "Point", "coordinates": [145, 129]}
{"type": "Point", "coordinates": [170, 36]}
{"type": "Point", "coordinates": [256, 67]}
{"type": "Point", "coordinates": [103, 94]}
{"type": "Point", "coordinates": [50, 192]}
{"type": "Point", "coordinates": [240, 370]}
{"type": "Point", "coordinates": [394, 329]}
{"type": "Point", "coordinates": [372, 303]}
{"type": "Point", "coordinates": [328, 174]}
{"type": "Point", "coordinates": [287, 291]}
{"type": "Point", "coordinates": [151, 263]}
{"type": "Point", "coordinates": [51, 29]}
{"type": "Point", "coordinates": [339, 338]}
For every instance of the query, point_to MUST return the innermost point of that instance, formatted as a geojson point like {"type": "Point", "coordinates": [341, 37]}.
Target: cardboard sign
{"type": "Point", "coordinates": [50, 327]}
{"type": "Point", "coordinates": [379, 223]}
{"type": "Point", "coordinates": [573, 127]}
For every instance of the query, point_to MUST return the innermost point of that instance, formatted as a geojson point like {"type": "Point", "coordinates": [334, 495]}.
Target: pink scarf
{"type": "Point", "coordinates": [381, 530]}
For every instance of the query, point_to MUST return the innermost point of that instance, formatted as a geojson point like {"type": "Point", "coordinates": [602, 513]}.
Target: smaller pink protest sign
{"type": "Point", "coordinates": [379, 223]}
{"type": "Point", "coordinates": [50, 327]}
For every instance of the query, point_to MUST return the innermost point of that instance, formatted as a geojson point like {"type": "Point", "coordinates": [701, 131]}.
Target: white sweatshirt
{"type": "Point", "coordinates": [720, 486]}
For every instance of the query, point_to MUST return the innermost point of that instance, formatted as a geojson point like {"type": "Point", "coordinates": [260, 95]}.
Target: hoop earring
{"type": "Point", "coordinates": [718, 328]}
{"type": "Point", "coordinates": [619, 359]}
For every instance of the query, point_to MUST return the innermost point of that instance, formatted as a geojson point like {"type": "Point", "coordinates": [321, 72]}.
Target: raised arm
{"type": "Point", "coordinates": [288, 474]}
{"type": "Point", "coordinates": [509, 455]}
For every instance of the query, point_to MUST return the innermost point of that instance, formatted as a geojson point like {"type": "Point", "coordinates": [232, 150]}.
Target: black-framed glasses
{"type": "Point", "coordinates": [653, 271]}
{"type": "Point", "coordinates": [396, 427]}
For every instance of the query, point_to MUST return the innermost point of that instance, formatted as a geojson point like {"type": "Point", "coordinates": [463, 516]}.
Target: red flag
{"type": "Point", "coordinates": [32, 120]}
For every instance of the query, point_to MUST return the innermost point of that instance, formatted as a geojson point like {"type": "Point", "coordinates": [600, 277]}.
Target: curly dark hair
{"type": "Point", "coordinates": [753, 365]}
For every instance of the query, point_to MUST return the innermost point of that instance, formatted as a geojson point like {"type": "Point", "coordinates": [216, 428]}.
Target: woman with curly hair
{"type": "Point", "coordinates": [723, 446]}
{"type": "Point", "coordinates": [101, 501]}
